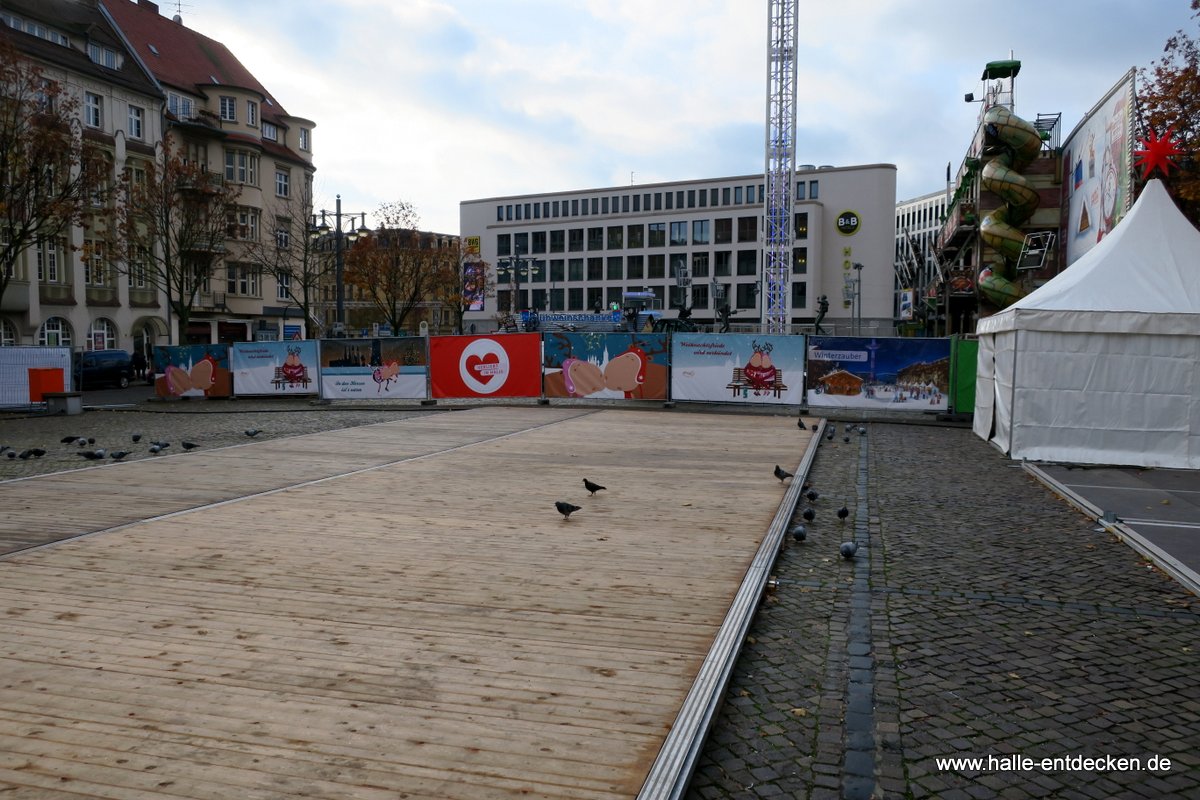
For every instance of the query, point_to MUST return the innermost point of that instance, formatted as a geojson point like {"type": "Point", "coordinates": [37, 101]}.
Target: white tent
{"type": "Point", "coordinates": [1101, 365]}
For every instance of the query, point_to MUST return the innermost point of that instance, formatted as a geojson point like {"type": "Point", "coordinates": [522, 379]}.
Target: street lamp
{"type": "Point", "coordinates": [514, 266]}
{"type": "Point", "coordinates": [323, 231]}
{"type": "Point", "coordinates": [858, 268]}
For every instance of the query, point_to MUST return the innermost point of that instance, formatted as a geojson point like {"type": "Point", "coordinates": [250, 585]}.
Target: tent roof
{"type": "Point", "coordinates": [1147, 271]}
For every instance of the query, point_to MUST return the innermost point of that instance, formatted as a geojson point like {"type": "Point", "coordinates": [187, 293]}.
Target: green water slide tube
{"type": "Point", "coordinates": [1020, 142]}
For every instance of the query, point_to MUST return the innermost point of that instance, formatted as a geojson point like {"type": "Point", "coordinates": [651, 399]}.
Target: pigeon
{"type": "Point", "coordinates": [566, 509]}
{"type": "Point", "coordinates": [809, 515]}
{"type": "Point", "coordinates": [848, 549]}
{"type": "Point", "coordinates": [812, 495]}
{"type": "Point", "coordinates": [37, 452]}
{"type": "Point", "coordinates": [4, 447]}
{"type": "Point", "coordinates": [843, 512]}
{"type": "Point", "coordinates": [782, 473]}
{"type": "Point", "coordinates": [592, 487]}
{"type": "Point", "coordinates": [161, 445]}
{"type": "Point", "coordinates": [25, 454]}
{"type": "Point", "coordinates": [82, 442]}
{"type": "Point", "coordinates": [92, 455]}
{"type": "Point", "coordinates": [862, 431]}
{"type": "Point", "coordinates": [799, 533]}
{"type": "Point", "coordinates": [849, 427]}
{"type": "Point", "coordinates": [12, 453]}
{"type": "Point", "coordinates": [846, 439]}
{"type": "Point", "coordinates": [91, 440]}
{"type": "Point", "coordinates": [69, 439]}
{"type": "Point", "coordinates": [815, 426]}
{"type": "Point", "coordinates": [252, 432]}
{"type": "Point", "coordinates": [137, 437]}
{"type": "Point", "coordinates": [189, 445]}
{"type": "Point", "coordinates": [117, 455]}
{"type": "Point", "coordinates": [155, 449]}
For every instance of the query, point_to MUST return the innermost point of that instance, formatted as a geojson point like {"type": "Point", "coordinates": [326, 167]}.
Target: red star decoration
{"type": "Point", "coordinates": [1157, 153]}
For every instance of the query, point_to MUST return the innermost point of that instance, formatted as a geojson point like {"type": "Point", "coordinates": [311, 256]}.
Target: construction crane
{"type": "Point", "coordinates": [782, 20]}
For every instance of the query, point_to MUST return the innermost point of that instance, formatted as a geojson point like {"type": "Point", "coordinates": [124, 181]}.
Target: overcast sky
{"type": "Point", "coordinates": [438, 101]}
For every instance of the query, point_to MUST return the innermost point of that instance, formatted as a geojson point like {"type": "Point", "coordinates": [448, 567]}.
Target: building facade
{"type": "Point", "coordinates": [918, 222]}
{"type": "Point", "coordinates": [64, 292]}
{"type": "Point", "coordinates": [148, 86]}
{"type": "Point", "coordinates": [692, 244]}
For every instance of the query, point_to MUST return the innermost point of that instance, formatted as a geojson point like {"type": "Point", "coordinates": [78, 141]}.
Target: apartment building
{"type": "Point", "coordinates": [693, 244]}
{"type": "Point", "coordinates": [147, 85]}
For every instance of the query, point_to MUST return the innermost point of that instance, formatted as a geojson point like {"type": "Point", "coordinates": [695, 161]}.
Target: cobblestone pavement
{"type": "Point", "coordinates": [982, 617]}
{"type": "Point", "coordinates": [993, 621]}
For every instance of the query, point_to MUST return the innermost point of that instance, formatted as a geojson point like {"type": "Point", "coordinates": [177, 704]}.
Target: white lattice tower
{"type": "Point", "coordinates": [780, 161]}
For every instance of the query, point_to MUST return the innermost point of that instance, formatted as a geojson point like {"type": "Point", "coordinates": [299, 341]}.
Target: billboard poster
{"type": "Point", "coordinates": [474, 276]}
{"type": "Point", "coordinates": [895, 373]}
{"type": "Point", "coordinates": [1097, 167]}
{"type": "Point", "coordinates": [274, 368]}
{"type": "Point", "coordinates": [737, 368]}
{"type": "Point", "coordinates": [632, 366]}
{"type": "Point", "coordinates": [192, 370]}
{"type": "Point", "coordinates": [374, 369]}
{"type": "Point", "coordinates": [506, 365]}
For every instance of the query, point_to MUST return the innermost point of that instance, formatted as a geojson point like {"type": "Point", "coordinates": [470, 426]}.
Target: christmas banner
{"type": "Point", "coordinates": [505, 365]}
{"type": "Point", "coordinates": [274, 368]}
{"type": "Point", "coordinates": [737, 368]}
{"type": "Point", "coordinates": [607, 365]}
{"type": "Point", "coordinates": [192, 370]}
{"type": "Point", "coordinates": [900, 373]}
{"type": "Point", "coordinates": [374, 369]}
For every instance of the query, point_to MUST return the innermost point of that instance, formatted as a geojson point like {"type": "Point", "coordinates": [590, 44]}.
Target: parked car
{"type": "Point", "coordinates": [97, 368]}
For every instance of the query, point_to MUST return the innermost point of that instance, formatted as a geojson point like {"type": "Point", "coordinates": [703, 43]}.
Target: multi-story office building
{"type": "Point", "coordinates": [582, 251]}
{"type": "Point", "coordinates": [63, 291]}
{"type": "Point", "coordinates": [918, 222]}
{"type": "Point", "coordinates": [147, 85]}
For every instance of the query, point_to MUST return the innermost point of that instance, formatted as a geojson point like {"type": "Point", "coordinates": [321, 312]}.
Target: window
{"type": "Point", "coordinates": [242, 279]}
{"type": "Point", "coordinates": [136, 117]}
{"type": "Point", "coordinates": [750, 194]}
{"type": "Point", "coordinates": [737, 195]}
{"type": "Point", "coordinates": [283, 285]}
{"type": "Point", "coordinates": [95, 268]}
{"type": "Point", "coordinates": [723, 231]}
{"type": "Point", "coordinates": [799, 294]}
{"type": "Point", "coordinates": [747, 229]}
{"type": "Point", "coordinates": [575, 240]}
{"type": "Point", "coordinates": [243, 224]}
{"type": "Point", "coordinates": [636, 234]}
{"type": "Point", "coordinates": [137, 261]}
{"type": "Point", "coordinates": [812, 190]}
{"type": "Point", "coordinates": [721, 266]}
{"type": "Point", "coordinates": [801, 225]}
{"type": "Point", "coordinates": [48, 258]}
{"type": "Point", "coordinates": [658, 234]}
{"type": "Point", "coordinates": [557, 273]}
{"type": "Point", "coordinates": [104, 56]}
{"type": "Point", "coordinates": [305, 138]}
{"type": "Point", "coordinates": [595, 238]}
{"type": "Point", "coordinates": [93, 110]}
{"type": "Point", "coordinates": [283, 236]}
{"type": "Point", "coordinates": [504, 244]}
{"type": "Point", "coordinates": [746, 295]}
{"type": "Point", "coordinates": [228, 107]}
{"type": "Point", "coordinates": [799, 190]}
{"type": "Point", "coordinates": [699, 265]}
{"type": "Point", "coordinates": [55, 332]}
{"type": "Point", "coordinates": [635, 267]}
{"type": "Point", "coordinates": [595, 269]}
{"type": "Point", "coordinates": [179, 105]}
{"type": "Point", "coordinates": [575, 269]}
{"type": "Point", "coordinates": [799, 260]}
{"type": "Point", "coordinates": [270, 132]}
{"type": "Point", "coordinates": [102, 335]}
{"type": "Point", "coordinates": [747, 262]}
{"type": "Point", "coordinates": [539, 241]}
{"type": "Point", "coordinates": [700, 231]}
{"type": "Point", "coordinates": [241, 167]}
{"type": "Point", "coordinates": [615, 268]}
{"type": "Point", "coordinates": [616, 237]}
{"type": "Point", "coordinates": [283, 183]}
{"type": "Point", "coordinates": [678, 265]}
{"type": "Point", "coordinates": [656, 267]}
{"type": "Point", "coordinates": [558, 242]}
{"type": "Point", "coordinates": [700, 295]}
{"type": "Point", "coordinates": [8, 333]}
{"type": "Point", "coordinates": [251, 113]}
{"type": "Point", "coordinates": [691, 198]}
{"type": "Point", "coordinates": [575, 298]}
{"type": "Point", "coordinates": [678, 234]}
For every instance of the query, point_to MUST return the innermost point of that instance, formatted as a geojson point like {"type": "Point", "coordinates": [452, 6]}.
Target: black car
{"type": "Point", "coordinates": [97, 368]}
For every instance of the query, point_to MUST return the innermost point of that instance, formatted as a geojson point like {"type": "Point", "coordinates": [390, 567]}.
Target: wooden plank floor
{"type": "Point", "coordinates": [429, 628]}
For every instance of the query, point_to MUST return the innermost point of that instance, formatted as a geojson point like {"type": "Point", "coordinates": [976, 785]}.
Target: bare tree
{"type": "Point", "coordinates": [173, 225]}
{"type": "Point", "coordinates": [53, 177]}
{"type": "Point", "coordinates": [294, 258]}
{"type": "Point", "coordinates": [398, 267]}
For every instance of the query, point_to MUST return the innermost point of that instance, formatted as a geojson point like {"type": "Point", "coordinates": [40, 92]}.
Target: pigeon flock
{"type": "Point", "coordinates": [85, 447]}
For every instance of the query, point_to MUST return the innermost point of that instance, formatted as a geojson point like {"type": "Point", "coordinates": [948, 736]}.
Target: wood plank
{"type": "Point", "coordinates": [408, 614]}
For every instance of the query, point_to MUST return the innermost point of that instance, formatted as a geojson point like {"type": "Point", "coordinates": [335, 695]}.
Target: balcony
{"type": "Point", "coordinates": [961, 224]}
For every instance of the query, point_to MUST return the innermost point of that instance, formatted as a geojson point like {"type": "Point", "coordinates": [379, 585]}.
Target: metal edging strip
{"type": "Point", "coordinates": [672, 770]}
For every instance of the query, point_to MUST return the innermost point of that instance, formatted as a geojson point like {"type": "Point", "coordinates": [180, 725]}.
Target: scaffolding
{"type": "Point", "coordinates": [780, 161]}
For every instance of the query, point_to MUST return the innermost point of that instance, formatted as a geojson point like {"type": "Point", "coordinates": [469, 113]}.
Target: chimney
{"type": "Point", "coordinates": [146, 4]}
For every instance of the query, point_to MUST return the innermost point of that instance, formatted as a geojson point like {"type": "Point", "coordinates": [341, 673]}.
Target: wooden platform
{"type": "Point", "coordinates": [387, 611]}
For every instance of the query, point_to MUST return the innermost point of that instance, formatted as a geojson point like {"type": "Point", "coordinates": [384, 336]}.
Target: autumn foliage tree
{"type": "Point", "coordinates": [53, 176]}
{"type": "Point", "coordinates": [173, 226]}
{"type": "Point", "coordinates": [399, 269]}
{"type": "Point", "coordinates": [1170, 98]}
